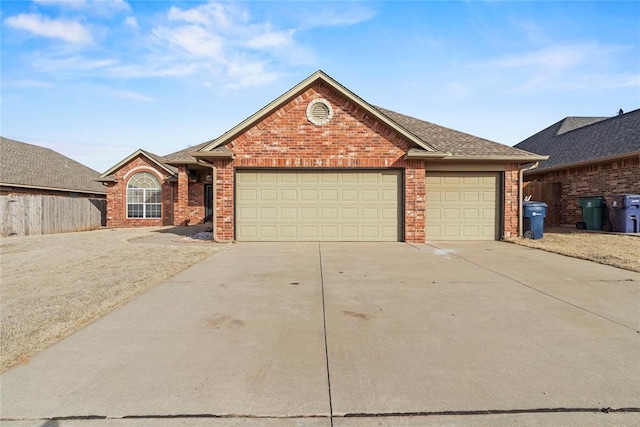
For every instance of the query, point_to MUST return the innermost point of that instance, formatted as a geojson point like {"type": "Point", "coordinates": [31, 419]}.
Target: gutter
{"type": "Point", "coordinates": [521, 172]}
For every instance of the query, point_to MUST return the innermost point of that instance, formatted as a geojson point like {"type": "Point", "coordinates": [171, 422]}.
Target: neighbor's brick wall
{"type": "Point", "coordinates": [117, 195]}
{"type": "Point", "coordinates": [604, 179]}
{"type": "Point", "coordinates": [352, 139]}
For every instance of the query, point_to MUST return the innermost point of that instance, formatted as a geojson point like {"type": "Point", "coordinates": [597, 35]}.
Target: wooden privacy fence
{"type": "Point", "coordinates": [33, 215]}
{"type": "Point", "coordinates": [548, 192]}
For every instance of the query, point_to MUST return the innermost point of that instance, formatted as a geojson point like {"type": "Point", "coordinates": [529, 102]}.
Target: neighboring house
{"type": "Point", "coordinates": [44, 192]}
{"type": "Point", "coordinates": [321, 164]}
{"type": "Point", "coordinates": [588, 156]}
{"type": "Point", "coordinates": [27, 169]}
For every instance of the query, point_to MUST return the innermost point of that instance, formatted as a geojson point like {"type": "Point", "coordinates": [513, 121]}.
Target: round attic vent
{"type": "Point", "coordinates": [319, 112]}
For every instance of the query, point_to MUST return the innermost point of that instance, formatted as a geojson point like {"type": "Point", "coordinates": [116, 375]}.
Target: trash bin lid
{"type": "Point", "coordinates": [595, 201]}
{"type": "Point", "coordinates": [630, 199]}
{"type": "Point", "coordinates": [535, 204]}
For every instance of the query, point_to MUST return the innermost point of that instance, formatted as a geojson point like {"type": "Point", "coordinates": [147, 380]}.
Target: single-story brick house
{"type": "Point", "coordinates": [28, 169]}
{"type": "Point", "coordinates": [588, 156]}
{"type": "Point", "coordinates": [321, 164]}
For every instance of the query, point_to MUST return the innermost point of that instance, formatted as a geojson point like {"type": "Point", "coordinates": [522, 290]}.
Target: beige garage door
{"type": "Point", "coordinates": [317, 206]}
{"type": "Point", "coordinates": [461, 206]}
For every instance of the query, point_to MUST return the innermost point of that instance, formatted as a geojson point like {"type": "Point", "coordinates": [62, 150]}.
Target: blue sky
{"type": "Point", "coordinates": [96, 80]}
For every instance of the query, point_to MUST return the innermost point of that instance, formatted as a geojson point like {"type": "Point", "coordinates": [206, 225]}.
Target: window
{"type": "Point", "coordinates": [144, 196]}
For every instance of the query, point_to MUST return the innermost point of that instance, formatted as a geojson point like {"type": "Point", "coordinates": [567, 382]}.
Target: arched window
{"type": "Point", "coordinates": [144, 196]}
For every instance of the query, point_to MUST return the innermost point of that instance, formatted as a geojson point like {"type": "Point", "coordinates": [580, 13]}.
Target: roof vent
{"type": "Point", "coordinates": [319, 112]}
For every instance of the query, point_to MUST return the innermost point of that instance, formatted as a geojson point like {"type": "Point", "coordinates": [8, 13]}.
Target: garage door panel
{"type": "Point", "coordinates": [314, 205]}
{"type": "Point", "coordinates": [268, 214]}
{"type": "Point", "coordinates": [287, 194]}
{"type": "Point", "coordinates": [330, 195]}
{"type": "Point", "coordinates": [451, 196]}
{"type": "Point", "coordinates": [461, 205]}
{"type": "Point", "coordinates": [289, 232]}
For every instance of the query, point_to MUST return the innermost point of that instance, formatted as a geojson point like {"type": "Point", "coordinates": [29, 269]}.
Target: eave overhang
{"type": "Point", "coordinates": [39, 187]}
{"type": "Point", "coordinates": [105, 176]}
{"type": "Point", "coordinates": [416, 154]}
{"type": "Point", "coordinates": [584, 163]}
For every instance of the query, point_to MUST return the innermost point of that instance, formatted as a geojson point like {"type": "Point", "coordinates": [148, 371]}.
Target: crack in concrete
{"type": "Point", "coordinates": [605, 410]}
{"type": "Point", "coordinates": [491, 412]}
{"type": "Point", "coordinates": [324, 324]}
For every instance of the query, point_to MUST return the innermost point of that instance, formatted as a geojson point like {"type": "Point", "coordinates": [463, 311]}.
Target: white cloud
{"type": "Point", "coordinates": [98, 7]}
{"type": "Point", "coordinates": [272, 40]}
{"type": "Point", "coordinates": [26, 83]}
{"type": "Point", "coordinates": [330, 14]}
{"type": "Point", "coordinates": [69, 64]}
{"type": "Point", "coordinates": [220, 44]}
{"type": "Point", "coordinates": [135, 96]}
{"type": "Point", "coordinates": [131, 22]}
{"type": "Point", "coordinates": [67, 30]}
{"type": "Point", "coordinates": [192, 39]}
{"type": "Point", "coordinates": [562, 67]}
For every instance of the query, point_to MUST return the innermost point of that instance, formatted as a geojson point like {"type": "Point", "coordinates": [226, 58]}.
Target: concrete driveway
{"type": "Point", "coordinates": [352, 334]}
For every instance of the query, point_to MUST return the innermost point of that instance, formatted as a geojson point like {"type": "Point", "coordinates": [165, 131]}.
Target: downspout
{"type": "Point", "coordinates": [214, 215]}
{"type": "Point", "coordinates": [521, 172]}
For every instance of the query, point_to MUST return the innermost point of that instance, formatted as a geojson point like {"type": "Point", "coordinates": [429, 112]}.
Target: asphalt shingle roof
{"type": "Point", "coordinates": [183, 156]}
{"type": "Point", "coordinates": [597, 138]}
{"type": "Point", "coordinates": [29, 165]}
{"type": "Point", "coordinates": [448, 140]}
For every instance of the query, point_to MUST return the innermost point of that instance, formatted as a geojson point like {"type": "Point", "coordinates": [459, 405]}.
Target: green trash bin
{"type": "Point", "coordinates": [594, 214]}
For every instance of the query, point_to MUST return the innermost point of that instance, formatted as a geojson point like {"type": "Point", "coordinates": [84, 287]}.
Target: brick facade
{"type": "Point", "coordinates": [602, 179]}
{"type": "Point", "coordinates": [117, 195]}
{"type": "Point", "coordinates": [352, 139]}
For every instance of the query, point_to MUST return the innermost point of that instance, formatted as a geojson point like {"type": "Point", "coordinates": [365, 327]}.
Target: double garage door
{"type": "Point", "coordinates": [318, 206]}
{"type": "Point", "coordinates": [279, 205]}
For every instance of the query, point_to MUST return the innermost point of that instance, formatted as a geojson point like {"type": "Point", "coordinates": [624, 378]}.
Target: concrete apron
{"type": "Point", "coordinates": [412, 332]}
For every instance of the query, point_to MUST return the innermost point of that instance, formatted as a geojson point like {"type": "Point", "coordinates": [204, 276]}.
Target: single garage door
{"type": "Point", "coordinates": [300, 205]}
{"type": "Point", "coordinates": [461, 205]}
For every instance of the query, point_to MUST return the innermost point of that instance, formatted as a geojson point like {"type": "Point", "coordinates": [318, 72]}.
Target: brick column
{"type": "Point", "coordinates": [512, 200]}
{"type": "Point", "coordinates": [224, 200]}
{"type": "Point", "coordinates": [414, 210]}
{"type": "Point", "coordinates": [181, 214]}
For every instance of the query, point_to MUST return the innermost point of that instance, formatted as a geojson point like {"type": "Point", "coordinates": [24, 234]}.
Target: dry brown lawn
{"type": "Point", "coordinates": [53, 285]}
{"type": "Point", "coordinates": [618, 250]}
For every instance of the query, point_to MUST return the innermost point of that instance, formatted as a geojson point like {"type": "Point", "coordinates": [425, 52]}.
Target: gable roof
{"type": "Point", "coordinates": [430, 141]}
{"type": "Point", "coordinates": [107, 176]}
{"type": "Point", "coordinates": [582, 140]}
{"type": "Point", "coordinates": [30, 166]}
{"type": "Point", "coordinates": [297, 90]}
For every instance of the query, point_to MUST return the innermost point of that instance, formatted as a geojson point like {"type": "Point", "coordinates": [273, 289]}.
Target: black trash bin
{"type": "Point", "coordinates": [594, 214]}
{"type": "Point", "coordinates": [534, 214]}
{"type": "Point", "coordinates": [625, 213]}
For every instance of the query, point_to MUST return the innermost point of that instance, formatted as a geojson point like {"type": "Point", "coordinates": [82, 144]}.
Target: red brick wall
{"type": "Point", "coordinates": [352, 139]}
{"type": "Point", "coordinates": [117, 195]}
{"type": "Point", "coordinates": [511, 201]}
{"type": "Point", "coordinates": [603, 179]}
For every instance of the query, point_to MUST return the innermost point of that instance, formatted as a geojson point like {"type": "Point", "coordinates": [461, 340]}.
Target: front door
{"type": "Point", "coordinates": [208, 202]}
